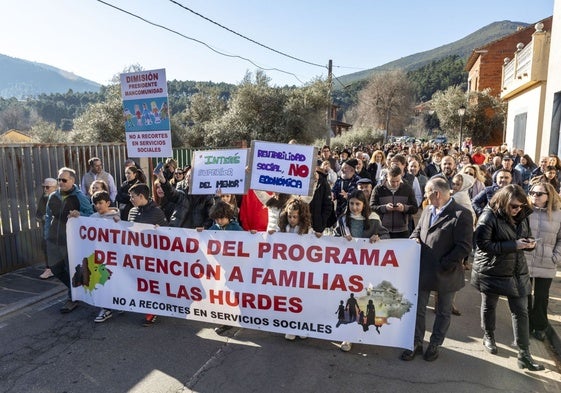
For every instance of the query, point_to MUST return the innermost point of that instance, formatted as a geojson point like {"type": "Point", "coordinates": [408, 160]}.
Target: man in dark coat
{"type": "Point", "coordinates": [445, 233]}
{"type": "Point", "coordinates": [66, 199]}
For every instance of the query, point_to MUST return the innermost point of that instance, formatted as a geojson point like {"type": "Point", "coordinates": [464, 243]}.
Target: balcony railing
{"type": "Point", "coordinates": [529, 65]}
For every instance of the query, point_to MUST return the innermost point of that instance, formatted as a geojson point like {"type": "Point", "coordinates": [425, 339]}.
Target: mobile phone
{"type": "Point", "coordinates": [158, 168]}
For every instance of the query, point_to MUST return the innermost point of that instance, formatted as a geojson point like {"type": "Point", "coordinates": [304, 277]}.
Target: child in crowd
{"type": "Point", "coordinates": [102, 205]}
{"type": "Point", "coordinates": [295, 218]}
{"type": "Point", "coordinates": [145, 211]}
{"type": "Point", "coordinates": [231, 200]}
{"type": "Point", "coordinates": [274, 204]}
{"type": "Point", "coordinates": [223, 216]}
{"type": "Point", "coordinates": [358, 221]}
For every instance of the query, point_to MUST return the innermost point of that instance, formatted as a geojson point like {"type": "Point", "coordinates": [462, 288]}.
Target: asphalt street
{"type": "Point", "coordinates": [44, 351]}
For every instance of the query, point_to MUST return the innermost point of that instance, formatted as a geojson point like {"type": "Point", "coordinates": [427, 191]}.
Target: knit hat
{"type": "Point", "coordinates": [352, 162]}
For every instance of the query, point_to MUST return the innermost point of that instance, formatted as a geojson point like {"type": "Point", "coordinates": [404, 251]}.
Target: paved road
{"type": "Point", "coordinates": [44, 351]}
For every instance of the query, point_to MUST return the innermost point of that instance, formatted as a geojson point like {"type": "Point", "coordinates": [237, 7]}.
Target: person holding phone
{"type": "Point", "coordinates": [502, 236]}
{"type": "Point", "coordinates": [394, 201]}
{"type": "Point", "coordinates": [545, 223]}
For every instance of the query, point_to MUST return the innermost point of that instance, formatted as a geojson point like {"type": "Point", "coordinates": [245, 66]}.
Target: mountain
{"type": "Point", "coordinates": [463, 48]}
{"type": "Point", "coordinates": [21, 79]}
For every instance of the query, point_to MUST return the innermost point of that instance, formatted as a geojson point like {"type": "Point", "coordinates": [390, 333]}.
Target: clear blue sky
{"type": "Point", "coordinates": [96, 41]}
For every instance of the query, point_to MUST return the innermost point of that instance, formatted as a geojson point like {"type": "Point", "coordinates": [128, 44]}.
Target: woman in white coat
{"type": "Point", "coordinates": [545, 223]}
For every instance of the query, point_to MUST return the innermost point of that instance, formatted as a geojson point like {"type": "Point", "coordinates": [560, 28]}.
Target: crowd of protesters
{"type": "Point", "coordinates": [374, 191]}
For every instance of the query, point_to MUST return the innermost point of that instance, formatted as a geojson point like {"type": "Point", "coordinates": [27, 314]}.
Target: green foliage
{"type": "Point", "coordinates": [45, 132]}
{"type": "Point", "coordinates": [438, 75]}
{"type": "Point", "coordinates": [258, 111]}
{"type": "Point", "coordinates": [462, 48]}
{"type": "Point", "coordinates": [16, 115]}
{"type": "Point", "coordinates": [359, 137]}
{"type": "Point", "coordinates": [103, 121]}
{"type": "Point", "coordinates": [484, 114]}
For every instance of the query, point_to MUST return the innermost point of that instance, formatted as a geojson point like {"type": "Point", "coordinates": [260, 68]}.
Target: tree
{"type": "Point", "coordinates": [438, 75]}
{"type": "Point", "coordinates": [45, 132]}
{"type": "Point", "coordinates": [17, 116]}
{"type": "Point", "coordinates": [258, 111]}
{"type": "Point", "coordinates": [484, 114]}
{"type": "Point", "coordinates": [103, 121]}
{"type": "Point", "coordinates": [386, 102]}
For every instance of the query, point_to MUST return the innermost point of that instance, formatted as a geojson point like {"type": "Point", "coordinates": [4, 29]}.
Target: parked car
{"type": "Point", "coordinates": [440, 139]}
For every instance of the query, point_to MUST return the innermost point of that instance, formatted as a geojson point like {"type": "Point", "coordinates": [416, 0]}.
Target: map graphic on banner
{"type": "Point", "coordinates": [146, 113]}
{"type": "Point", "coordinates": [327, 288]}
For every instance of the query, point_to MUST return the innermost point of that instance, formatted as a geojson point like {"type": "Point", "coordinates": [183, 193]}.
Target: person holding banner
{"type": "Point", "coordinates": [190, 211]}
{"type": "Point", "coordinates": [224, 220]}
{"type": "Point", "coordinates": [295, 218]}
{"type": "Point", "coordinates": [445, 233]}
{"type": "Point", "coordinates": [147, 212]}
{"type": "Point", "coordinates": [65, 199]}
{"type": "Point", "coordinates": [321, 205]}
{"type": "Point", "coordinates": [358, 221]}
{"type": "Point", "coordinates": [101, 200]}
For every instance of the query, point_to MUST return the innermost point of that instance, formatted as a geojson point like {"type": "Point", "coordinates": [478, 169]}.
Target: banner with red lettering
{"type": "Point", "coordinates": [328, 288]}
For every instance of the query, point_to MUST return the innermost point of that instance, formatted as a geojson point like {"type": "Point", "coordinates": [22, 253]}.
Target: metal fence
{"type": "Point", "coordinates": [24, 167]}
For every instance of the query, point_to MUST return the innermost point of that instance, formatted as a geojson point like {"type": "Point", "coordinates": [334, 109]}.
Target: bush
{"type": "Point", "coordinates": [365, 136]}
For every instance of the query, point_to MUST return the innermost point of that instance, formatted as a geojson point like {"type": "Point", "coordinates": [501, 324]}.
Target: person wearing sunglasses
{"type": "Point", "coordinates": [545, 223]}
{"type": "Point", "coordinates": [178, 175]}
{"type": "Point", "coordinates": [502, 236]}
{"type": "Point", "coordinates": [66, 199]}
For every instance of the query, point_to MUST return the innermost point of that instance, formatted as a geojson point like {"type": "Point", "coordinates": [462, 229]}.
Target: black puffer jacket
{"type": "Point", "coordinates": [148, 214]}
{"type": "Point", "coordinates": [190, 211]}
{"type": "Point", "coordinates": [496, 255]}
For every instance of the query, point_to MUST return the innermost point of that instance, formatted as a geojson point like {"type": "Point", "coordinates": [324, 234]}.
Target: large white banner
{"type": "Point", "coordinates": [328, 288]}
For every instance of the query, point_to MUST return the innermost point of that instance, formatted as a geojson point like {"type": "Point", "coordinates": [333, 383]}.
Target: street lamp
{"type": "Point", "coordinates": [461, 113]}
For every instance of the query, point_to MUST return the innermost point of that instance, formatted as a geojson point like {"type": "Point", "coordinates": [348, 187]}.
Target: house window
{"type": "Point", "coordinates": [520, 130]}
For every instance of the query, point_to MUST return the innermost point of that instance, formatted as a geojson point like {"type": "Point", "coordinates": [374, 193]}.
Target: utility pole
{"type": "Point", "coordinates": [330, 86]}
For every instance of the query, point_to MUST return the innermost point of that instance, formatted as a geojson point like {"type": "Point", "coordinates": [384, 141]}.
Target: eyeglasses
{"type": "Point", "coordinates": [178, 173]}
{"type": "Point", "coordinates": [60, 179]}
{"type": "Point", "coordinates": [516, 206]}
{"type": "Point", "coordinates": [47, 186]}
{"type": "Point", "coordinates": [537, 193]}
{"type": "Point", "coordinates": [132, 196]}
